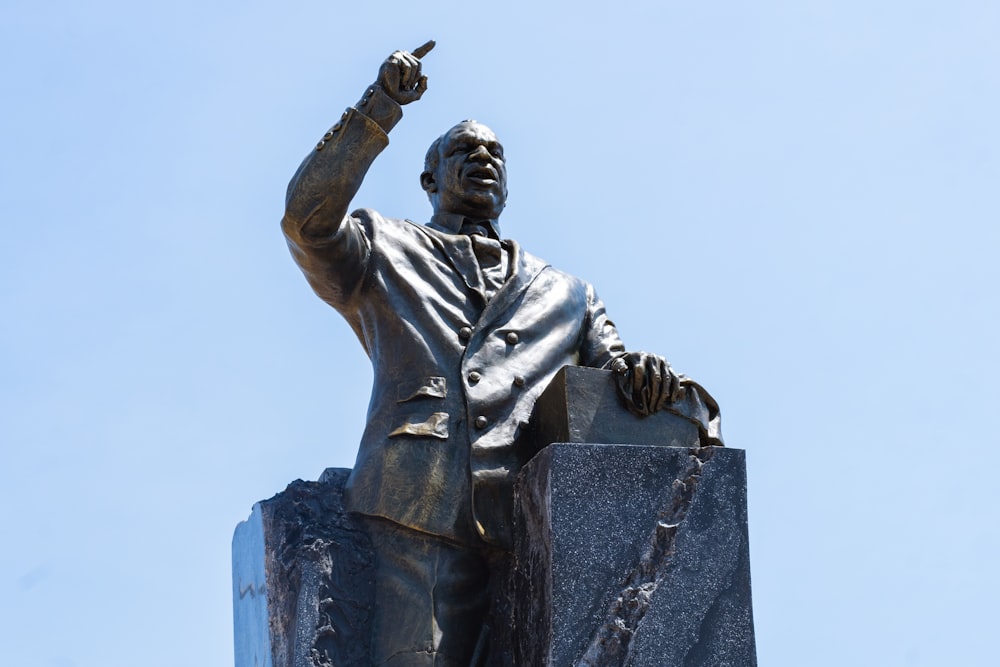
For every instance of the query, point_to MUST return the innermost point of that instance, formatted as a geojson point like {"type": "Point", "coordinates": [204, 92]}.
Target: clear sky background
{"type": "Point", "coordinates": [796, 202]}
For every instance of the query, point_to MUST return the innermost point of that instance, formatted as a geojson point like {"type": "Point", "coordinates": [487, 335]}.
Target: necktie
{"type": "Point", "coordinates": [488, 251]}
{"type": "Point", "coordinates": [490, 256]}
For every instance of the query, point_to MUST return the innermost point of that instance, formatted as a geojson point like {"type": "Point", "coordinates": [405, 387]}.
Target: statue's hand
{"type": "Point", "coordinates": [646, 383]}
{"type": "Point", "coordinates": [400, 75]}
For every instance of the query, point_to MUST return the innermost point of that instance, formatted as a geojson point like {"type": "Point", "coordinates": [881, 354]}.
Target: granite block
{"type": "Point", "coordinates": [302, 580]}
{"type": "Point", "coordinates": [633, 556]}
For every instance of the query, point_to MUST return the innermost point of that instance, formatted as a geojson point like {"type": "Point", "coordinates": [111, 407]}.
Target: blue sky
{"type": "Point", "coordinates": [795, 202]}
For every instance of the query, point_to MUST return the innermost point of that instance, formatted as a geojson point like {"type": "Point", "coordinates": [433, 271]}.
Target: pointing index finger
{"type": "Point", "coordinates": [423, 49]}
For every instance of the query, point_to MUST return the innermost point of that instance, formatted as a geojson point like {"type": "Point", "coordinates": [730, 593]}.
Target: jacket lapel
{"type": "Point", "coordinates": [458, 249]}
{"type": "Point", "coordinates": [524, 269]}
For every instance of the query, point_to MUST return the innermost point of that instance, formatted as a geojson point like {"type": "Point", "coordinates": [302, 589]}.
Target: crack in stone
{"type": "Point", "coordinates": [609, 644]}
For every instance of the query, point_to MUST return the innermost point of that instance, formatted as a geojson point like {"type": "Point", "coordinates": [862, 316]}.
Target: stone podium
{"type": "Point", "coordinates": [631, 550]}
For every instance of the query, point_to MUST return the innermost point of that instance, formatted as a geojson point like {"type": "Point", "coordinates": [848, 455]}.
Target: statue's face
{"type": "Point", "coordinates": [471, 175]}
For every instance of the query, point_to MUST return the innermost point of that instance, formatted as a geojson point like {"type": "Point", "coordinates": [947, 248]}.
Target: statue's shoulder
{"type": "Point", "coordinates": [527, 256]}
{"type": "Point", "coordinates": [552, 272]}
{"type": "Point", "coordinates": [535, 262]}
{"type": "Point", "coordinates": [398, 233]}
{"type": "Point", "coordinates": [374, 220]}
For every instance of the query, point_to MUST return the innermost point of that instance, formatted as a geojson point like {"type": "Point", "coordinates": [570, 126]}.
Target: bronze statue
{"type": "Point", "coordinates": [464, 330]}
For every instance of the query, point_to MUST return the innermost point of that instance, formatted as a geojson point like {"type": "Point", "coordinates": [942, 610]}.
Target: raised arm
{"type": "Point", "coordinates": [321, 190]}
{"type": "Point", "coordinates": [329, 246]}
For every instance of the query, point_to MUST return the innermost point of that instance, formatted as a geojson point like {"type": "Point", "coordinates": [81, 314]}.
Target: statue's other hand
{"type": "Point", "coordinates": [646, 382]}
{"type": "Point", "coordinates": [400, 76]}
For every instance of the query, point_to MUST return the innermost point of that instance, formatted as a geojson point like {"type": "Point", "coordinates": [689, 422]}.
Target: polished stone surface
{"type": "Point", "coordinates": [637, 556]}
{"type": "Point", "coordinates": [250, 607]}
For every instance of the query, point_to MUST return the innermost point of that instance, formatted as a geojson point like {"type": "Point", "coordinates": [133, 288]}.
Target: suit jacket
{"type": "Point", "coordinates": [455, 377]}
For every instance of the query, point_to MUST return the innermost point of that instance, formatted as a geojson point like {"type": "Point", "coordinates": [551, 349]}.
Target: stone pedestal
{"type": "Point", "coordinates": [627, 554]}
{"type": "Point", "coordinates": [302, 580]}
{"type": "Point", "coordinates": [633, 556]}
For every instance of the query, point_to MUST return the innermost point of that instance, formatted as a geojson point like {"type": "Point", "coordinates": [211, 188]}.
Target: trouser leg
{"type": "Point", "coordinates": [431, 598]}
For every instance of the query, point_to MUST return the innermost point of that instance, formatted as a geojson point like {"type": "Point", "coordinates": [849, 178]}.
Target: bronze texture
{"type": "Point", "coordinates": [464, 328]}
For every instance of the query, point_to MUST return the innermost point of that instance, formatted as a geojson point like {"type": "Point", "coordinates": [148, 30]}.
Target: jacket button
{"type": "Point", "coordinates": [519, 381]}
{"type": "Point", "coordinates": [465, 333]}
{"type": "Point", "coordinates": [481, 421]}
{"type": "Point", "coordinates": [474, 377]}
{"type": "Point", "coordinates": [512, 338]}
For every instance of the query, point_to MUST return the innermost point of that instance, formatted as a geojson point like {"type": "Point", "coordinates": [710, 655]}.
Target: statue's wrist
{"type": "Point", "coordinates": [377, 105]}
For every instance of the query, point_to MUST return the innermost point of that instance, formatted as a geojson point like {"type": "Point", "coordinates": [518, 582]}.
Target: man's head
{"type": "Point", "coordinates": [465, 172]}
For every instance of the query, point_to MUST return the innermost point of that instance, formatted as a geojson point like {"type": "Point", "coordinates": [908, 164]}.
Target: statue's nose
{"type": "Point", "coordinates": [480, 154]}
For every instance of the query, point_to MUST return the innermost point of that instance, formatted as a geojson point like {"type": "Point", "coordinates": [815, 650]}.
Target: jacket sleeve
{"type": "Point", "coordinates": [330, 246]}
{"type": "Point", "coordinates": [601, 344]}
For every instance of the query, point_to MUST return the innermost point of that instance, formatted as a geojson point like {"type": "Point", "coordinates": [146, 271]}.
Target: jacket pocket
{"type": "Point", "coordinates": [435, 426]}
{"type": "Point", "coordinates": [431, 387]}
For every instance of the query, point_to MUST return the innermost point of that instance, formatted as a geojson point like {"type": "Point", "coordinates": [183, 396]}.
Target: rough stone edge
{"type": "Point", "coordinates": [305, 537]}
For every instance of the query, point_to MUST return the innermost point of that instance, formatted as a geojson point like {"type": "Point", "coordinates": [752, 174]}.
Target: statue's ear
{"type": "Point", "coordinates": [428, 183]}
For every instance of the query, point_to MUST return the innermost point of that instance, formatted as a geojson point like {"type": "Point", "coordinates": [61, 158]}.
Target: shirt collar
{"type": "Point", "coordinates": [452, 224]}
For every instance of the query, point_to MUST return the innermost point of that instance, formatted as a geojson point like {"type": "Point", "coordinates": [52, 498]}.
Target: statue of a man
{"type": "Point", "coordinates": [464, 330]}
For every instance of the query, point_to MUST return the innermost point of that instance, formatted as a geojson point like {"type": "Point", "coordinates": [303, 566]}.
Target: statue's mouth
{"type": "Point", "coordinates": [483, 174]}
